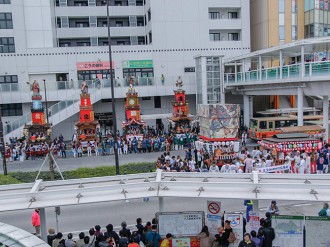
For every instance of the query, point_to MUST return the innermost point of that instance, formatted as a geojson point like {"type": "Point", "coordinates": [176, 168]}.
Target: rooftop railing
{"type": "Point", "coordinates": [288, 71]}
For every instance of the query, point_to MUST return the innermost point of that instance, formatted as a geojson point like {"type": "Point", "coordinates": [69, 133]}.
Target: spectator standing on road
{"type": "Point", "coordinates": [267, 232]}
{"type": "Point", "coordinates": [204, 237]}
{"type": "Point", "coordinates": [80, 242]}
{"type": "Point", "coordinates": [247, 242]}
{"type": "Point", "coordinates": [255, 239]}
{"type": "Point", "coordinates": [124, 230]}
{"type": "Point", "coordinates": [51, 236]}
{"type": "Point", "coordinates": [36, 220]}
{"type": "Point", "coordinates": [244, 138]}
{"type": "Point", "coordinates": [153, 236]}
{"type": "Point", "coordinates": [225, 234]}
{"type": "Point", "coordinates": [319, 164]}
{"type": "Point", "coordinates": [89, 149]}
{"type": "Point", "coordinates": [110, 233]}
{"type": "Point", "coordinates": [70, 242]}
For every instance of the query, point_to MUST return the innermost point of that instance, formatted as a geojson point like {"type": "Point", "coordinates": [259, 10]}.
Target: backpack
{"type": "Point", "coordinates": [231, 238]}
{"type": "Point", "coordinates": [123, 242]}
{"type": "Point", "coordinates": [151, 243]}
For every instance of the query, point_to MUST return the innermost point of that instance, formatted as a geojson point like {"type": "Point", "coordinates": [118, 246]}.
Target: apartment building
{"type": "Point", "coordinates": [61, 43]}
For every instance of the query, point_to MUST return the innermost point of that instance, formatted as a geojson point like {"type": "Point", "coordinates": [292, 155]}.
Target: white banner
{"type": "Point", "coordinates": [274, 169]}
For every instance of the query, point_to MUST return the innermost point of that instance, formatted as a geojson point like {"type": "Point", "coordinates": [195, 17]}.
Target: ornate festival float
{"type": "Point", "coordinates": [39, 132]}
{"type": "Point", "coordinates": [219, 125]}
{"type": "Point", "coordinates": [87, 127]}
{"type": "Point", "coordinates": [180, 122]}
{"type": "Point", "coordinates": [133, 126]}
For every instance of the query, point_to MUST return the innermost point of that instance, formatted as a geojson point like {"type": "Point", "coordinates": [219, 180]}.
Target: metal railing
{"type": "Point", "coordinates": [321, 68]}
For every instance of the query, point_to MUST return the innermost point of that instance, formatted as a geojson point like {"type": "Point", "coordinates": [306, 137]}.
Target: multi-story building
{"type": "Point", "coordinates": [66, 41]}
{"type": "Point", "coordinates": [317, 18]}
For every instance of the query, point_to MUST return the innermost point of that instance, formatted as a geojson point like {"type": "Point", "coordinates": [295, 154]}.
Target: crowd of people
{"type": "Point", "coordinates": [147, 235]}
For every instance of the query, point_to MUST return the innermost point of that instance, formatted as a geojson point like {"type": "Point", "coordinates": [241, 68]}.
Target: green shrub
{"type": "Point", "coordinates": [8, 180]}
{"type": "Point", "coordinates": [134, 168]}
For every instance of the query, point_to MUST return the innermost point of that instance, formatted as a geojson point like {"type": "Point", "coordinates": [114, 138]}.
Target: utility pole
{"type": "Point", "coordinates": [2, 147]}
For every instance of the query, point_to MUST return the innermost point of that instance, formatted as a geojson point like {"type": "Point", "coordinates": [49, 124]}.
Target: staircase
{"type": "Point", "coordinates": [58, 112]}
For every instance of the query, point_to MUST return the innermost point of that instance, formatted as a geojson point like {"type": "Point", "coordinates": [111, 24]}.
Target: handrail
{"type": "Point", "coordinates": [320, 68]}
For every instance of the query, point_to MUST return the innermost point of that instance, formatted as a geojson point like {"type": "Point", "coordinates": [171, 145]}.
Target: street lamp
{"type": "Point", "coordinates": [2, 147]}
{"type": "Point", "coordinates": [114, 122]}
{"type": "Point", "coordinates": [46, 100]}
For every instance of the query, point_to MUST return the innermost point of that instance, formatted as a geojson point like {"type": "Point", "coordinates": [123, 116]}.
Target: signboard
{"type": "Point", "coordinates": [274, 169]}
{"type": "Point", "coordinates": [236, 223]}
{"type": "Point", "coordinates": [316, 231]}
{"type": "Point", "coordinates": [181, 242]}
{"type": "Point", "coordinates": [132, 64]}
{"type": "Point", "coordinates": [180, 224]}
{"type": "Point", "coordinates": [103, 116]}
{"type": "Point", "coordinates": [254, 221]}
{"type": "Point", "coordinates": [289, 231]}
{"type": "Point", "coordinates": [213, 217]}
{"type": "Point", "coordinates": [83, 66]}
{"type": "Point", "coordinates": [189, 69]}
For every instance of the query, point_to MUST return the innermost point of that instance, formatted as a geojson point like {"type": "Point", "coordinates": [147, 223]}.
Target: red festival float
{"type": "Point", "coordinates": [133, 126]}
{"type": "Point", "coordinates": [87, 127]}
{"type": "Point", "coordinates": [38, 133]}
{"type": "Point", "coordinates": [179, 123]}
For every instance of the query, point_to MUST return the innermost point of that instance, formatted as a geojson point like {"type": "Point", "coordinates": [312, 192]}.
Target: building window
{"type": "Point", "coordinates": [8, 79]}
{"type": "Point", "coordinates": [10, 110]}
{"type": "Point", "coordinates": [118, 3]}
{"type": "Point", "coordinates": [4, 1]}
{"type": "Point", "coordinates": [149, 15]}
{"type": "Point", "coordinates": [214, 36]}
{"type": "Point", "coordinates": [94, 41]}
{"type": "Point", "coordinates": [83, 44]}
{"type": "Point", "coordinates": [158, 102]}
{"type": "Point", "coordinates": [281, 30]}
{"type": "Point", "coordinates": [146, 98]}
{"type": "Point", "coordinates": [281, 6]}
{"type": "Point", "coordinates": [119, 24]}
{"type": "Point", "coordinates": [214, 15]}
{"type": "Point", "coordinates": [92, 21]}
{"type": "Point", "coordinates": [233, 37]}
{"type": "Point", "coordinates": [7, 45]}
{"type": "Point", "coordinates": [232, 15]}
{"type": "Point", "coordinates": [6, 21]}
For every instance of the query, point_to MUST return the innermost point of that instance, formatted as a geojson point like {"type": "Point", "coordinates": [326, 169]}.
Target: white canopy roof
{"type": "Point", "coordinates": [205, 185]}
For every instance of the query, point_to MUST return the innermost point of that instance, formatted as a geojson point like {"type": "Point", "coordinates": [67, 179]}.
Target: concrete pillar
{"type": "Point", "coordinates": [235, 72]}
{"type": "Point", "coordinates": [302, 62]}
{"type": "Point", "coordinates": [43, 225]}
{"type": "Point", "coordinates": [326, 116]}
{"type": "Point", "coordinates": [161, 204]}
{"type": "Point", "coordinates": [281, 65]}
{"type": "Point", "coordinates": [260, 68]}
{"type": "Point", "coordinates": [222, 84]}
{"type": "Point", "coordinates": [256, 206]}
{"type": "Point", "coordinates": [204, 81]}
{"type": "Point", "coordinates": [246, 110]}
{"type": "Point", "coordinates": [250, 108]}
{"type": "Point", "coordinates": [243, 69]}
{"type": "Point", "coordinates": [300, 106]}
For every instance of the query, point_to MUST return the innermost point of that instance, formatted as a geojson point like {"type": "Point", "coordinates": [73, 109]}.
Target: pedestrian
{"type": "Point", "coordinates": [247, 242]}
{"type": "Point", "coordinates": [324, 210]}
{"type": "Point", "coordinates": [80, 150]}
{"type": "Point", "coordinates": [204, 237]}
{"type": "Point", "coordinates": [89, 149]}
{"type": "Point", "coordinates": [96, 148]}
{"type": "Point", "coordinates": [153, 237]}
{"type": "Point", "coordinates": [267, 232]}
{"type": "Point", "coordinates": [273, 208]}
{"type": "Point", "coordinates": [80, 242]}
{"type": "Point", "coordinates": [244, 137]}
{"type": "Point", "coordinates": [70, 242]}
{"type": "Point", "coordinates": [51, 236]}
{"type": "Point", "coordinates": [36, 221]}
{"type": "Point", "coordinates": [225, 234]}
{"type": "Point", "coordinates": [57, 241]}
{"type": "Point", "coordinates": [162, 79]}
{"type": "Point", "coordinates": [302, 164]}
{"type": "Point", "coordinates": [319, 164]}
{"type": "Point", "coordinates": [255, 239]}
{"type": "Point", "coordinates": [63, 150]}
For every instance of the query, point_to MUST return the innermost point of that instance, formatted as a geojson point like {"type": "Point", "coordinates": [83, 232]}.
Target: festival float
{"type": "Point", "coordinates": [219, 125]}
{"type": "Point", "coordinates": [133, 126]}
{"type": "Point", "coordinates": [87, 127]}
{"type": "Point", "coordinates": [180, 122]}
{"type": "Point", "coordinates": [39, 132]}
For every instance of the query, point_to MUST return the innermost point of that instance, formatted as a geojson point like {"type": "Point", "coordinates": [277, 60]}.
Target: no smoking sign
{"type": "Point", "coordinates": [213, 208]}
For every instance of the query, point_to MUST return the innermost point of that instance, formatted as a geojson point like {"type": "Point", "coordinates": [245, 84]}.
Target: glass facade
{"type": "Point", "coordinates": [317, 18]}
{"type": "Point", "coordinates": [213, 73]}
{"type": "Point", "coordinates": [281, 21]}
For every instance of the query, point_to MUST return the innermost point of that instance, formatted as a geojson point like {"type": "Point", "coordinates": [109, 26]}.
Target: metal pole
{"type": "Point", "coordinates": [2, 147]}
{"type": "Point", "coordinates": [46, 100]}
{"type": "Point", "coordinates": [112, 95]}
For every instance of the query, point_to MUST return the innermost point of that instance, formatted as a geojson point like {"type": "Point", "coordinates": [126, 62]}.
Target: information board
{"type": "Point", "coordinates": [317, 231]}
{"type": "Point", "coordinates": [288, 231]}
{"type": "Point", "coordinates": [236, 223]}
{"type": "Point", "coordinates": [180, 224]}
